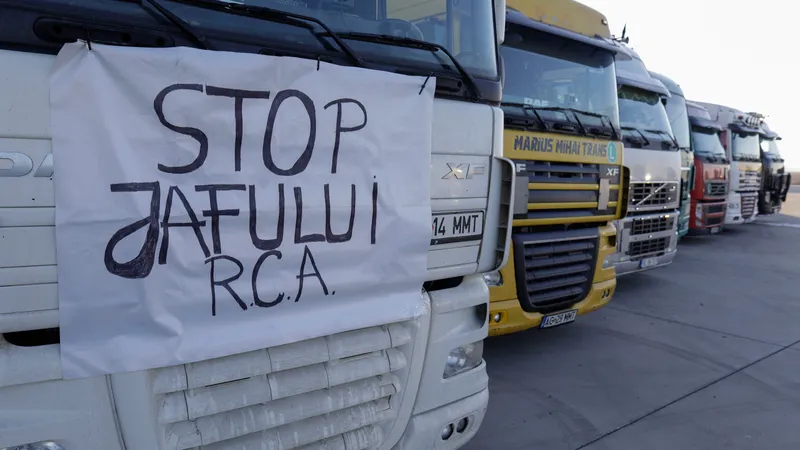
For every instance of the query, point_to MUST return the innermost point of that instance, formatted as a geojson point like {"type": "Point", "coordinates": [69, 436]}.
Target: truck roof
{"type": "Point", "coordinates": [699, 117]}
{"type": "Point", "coordinates": [727, 117]}
{"type": "Point", "coordinates": [568, 19]}
{"type": "Point", "coordinates": [673, 87]}
{"type": "Point", "coordinates": [565, 14]}
{"type": "Point", "coordinates": [631, 71]}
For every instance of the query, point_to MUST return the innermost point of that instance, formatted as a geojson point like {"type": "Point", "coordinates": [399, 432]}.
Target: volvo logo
{"type": "Point", "coordinates": [22, 164]}
{"type": "Point", "coordinates": [464, 171]}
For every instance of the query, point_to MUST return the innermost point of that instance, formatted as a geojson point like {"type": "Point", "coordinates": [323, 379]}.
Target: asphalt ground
{"type": "Point", "coordinates": [701, 354]}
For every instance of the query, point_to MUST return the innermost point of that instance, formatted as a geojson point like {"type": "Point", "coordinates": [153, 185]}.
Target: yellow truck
{"type": "Point", "coordinates": [562, 133]}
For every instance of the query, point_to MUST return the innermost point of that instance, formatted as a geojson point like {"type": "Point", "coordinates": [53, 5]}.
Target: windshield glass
{"type": "Point", "coordinates": [643, 111]}
{"type": "Point", "coordinates": [770, 149]}
{"type": "Point", "coordinates": [543, 70]}
{"type": "Point", "coordinates": [745, 147]}
{"type": "Point", "coordinates": [679, 120]}
{"type": "Point", "coordinates": [706, 142]}
{"type": "Point", "coordinates": [464, 27]}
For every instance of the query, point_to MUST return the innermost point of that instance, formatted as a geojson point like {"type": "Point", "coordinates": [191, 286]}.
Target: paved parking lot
{"type": "Point", "coordinates": [703, 354]}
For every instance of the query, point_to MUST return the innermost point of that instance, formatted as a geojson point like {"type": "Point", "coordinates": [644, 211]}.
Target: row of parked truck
{"type": "Point", "coordinates": [594, 167]}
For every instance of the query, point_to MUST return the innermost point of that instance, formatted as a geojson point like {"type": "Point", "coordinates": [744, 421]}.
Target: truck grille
{"type": "Point", "coordinates": [553, 275]}
{"type": "Point", "coordinates": [653, 193]}
{"type": "Point", "coordinates": [648, 248]}
{"type": "Point", "coordinates": [717, 188]}
{"type": "Point", "coordinates": [749, 203]}
{"type": "Point", "coordinates": [563, 183]}
{"type": "Point", "coordinates": [651, 225]}
{"type": "Point", "coordinates": [750, 179]}
{"type": "Point", "coordinates": [714, 221]}
{"type": "Point", "coordinates": [715, 209]}
{"type": "Point", "coordinates": [333, 392]}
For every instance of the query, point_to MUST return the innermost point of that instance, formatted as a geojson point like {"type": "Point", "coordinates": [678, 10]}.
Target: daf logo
{"type": "Point", "coordinates": [22, 164]}
{"type": "Point", "coordinates": [612, 171]}
{"type": "Point", "coordinates": [464, 171]}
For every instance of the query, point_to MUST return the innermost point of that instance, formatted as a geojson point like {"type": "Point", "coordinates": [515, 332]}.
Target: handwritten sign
{"type": "Point", "coordinates": [213, 203]}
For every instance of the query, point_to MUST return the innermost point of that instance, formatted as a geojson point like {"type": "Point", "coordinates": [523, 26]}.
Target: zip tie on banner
{"type": "Point", "coordinates": [425, 83]}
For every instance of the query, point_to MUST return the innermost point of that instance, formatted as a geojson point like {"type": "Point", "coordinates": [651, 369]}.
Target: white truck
{"type": "Point", "coordinates": [648, 236]}
{"type": "Point", "coordinates": [412, 385]}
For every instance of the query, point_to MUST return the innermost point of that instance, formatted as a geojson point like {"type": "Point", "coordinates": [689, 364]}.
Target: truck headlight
{"type": "Point", "coordinates": [44, 445]}
{"type": "Point", "coordinates": [463, 358]}
{"type": "Point", "coordinates": [493, 278]}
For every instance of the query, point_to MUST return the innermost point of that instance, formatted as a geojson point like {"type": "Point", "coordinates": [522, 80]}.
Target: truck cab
{"type": "Point", "coordinates": [647, 237]}
{"type": "Point", "coordinates": [712, 173]}
{"type": "Point", "coordinates": [679, 121]}
{"type": "Point", "coordinates": [740, 138]}
{"type": "Point", "coordinates": [775, 179]}
{"type": "Point", "coordinates": [562, 133]}
{"type": "Point", "coordinates": [415, 384]}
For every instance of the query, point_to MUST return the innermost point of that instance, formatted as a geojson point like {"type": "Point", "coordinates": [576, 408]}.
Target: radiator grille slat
{"type": "Point", "coordinates": [331, 392]}
{"type": "Point", "coordinates": [717, 188]}
{"type": "Point", "coordinates": [749, 204]}
{"type": "Point", "coordinates": [554, 275]}
{"type": "Point", "coordinates": [653, 193]}
{"type": "Point", "coordinates": [648, 248]}
{"type": "Point", "coordinates": [651, 225]}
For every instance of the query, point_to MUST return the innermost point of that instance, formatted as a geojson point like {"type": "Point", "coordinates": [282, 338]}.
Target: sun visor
{"type": "Point", "coordinates": [700, 122]}
{"type": "Point", "coordinates": [646, 83]}
{"type": "Point", "coordinates": [516, 17]}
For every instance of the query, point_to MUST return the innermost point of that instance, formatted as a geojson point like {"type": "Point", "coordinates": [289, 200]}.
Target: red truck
{"type": "Point", "coordinates": [712, 173]}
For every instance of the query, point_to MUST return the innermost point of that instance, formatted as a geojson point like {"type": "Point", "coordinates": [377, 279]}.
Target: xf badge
{"type": "Point", "coordinates": [464, 171]}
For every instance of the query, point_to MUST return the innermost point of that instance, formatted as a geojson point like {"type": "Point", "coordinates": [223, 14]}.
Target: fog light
{"type": "Point", "coordinates": [462, 359]}
{"type": "Point", "coordinates": [493, 278]}
{"type": "Point", "coordinates": [496, 318]}
{"type": "Point", "coordinates": [447, 432]}
{"type": "Point", "coordinates": [461, 426]}
{"type": "Point", "coordinates": [44, 445]}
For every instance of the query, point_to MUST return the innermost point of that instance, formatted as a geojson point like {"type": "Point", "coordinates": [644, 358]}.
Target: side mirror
{"type": "Point", "coordinates": [502, 69]}
{"type": "Point", "coordinates": [500, 20]}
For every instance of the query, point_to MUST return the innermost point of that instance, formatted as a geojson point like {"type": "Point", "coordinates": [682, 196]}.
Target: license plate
{"type": "Point", "coordinates": [559, 318]}
{"type": "Point", "coordinates": [456, 227]}
{"type": "Point", "coordinates": [648, 262]}
{"type": "Point", "coordinates": [715, 230]}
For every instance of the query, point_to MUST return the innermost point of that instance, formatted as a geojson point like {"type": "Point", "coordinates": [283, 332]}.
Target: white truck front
{"type": "Point", "coordinates": [740, 138]}
{"type": "Point", "coordinates": [411, 385]}
{"type": "Point", "coordinates": [647, 238]}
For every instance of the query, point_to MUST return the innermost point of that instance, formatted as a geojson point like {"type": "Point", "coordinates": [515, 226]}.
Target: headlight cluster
{"type": "Point", "coordinates": [463, 358]}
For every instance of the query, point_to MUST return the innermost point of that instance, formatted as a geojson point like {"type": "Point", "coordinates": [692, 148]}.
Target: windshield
{"type": "Point", "coordinates": [464, 27]}
{"type": "Point", "coordinates": [679, 120]}
{"type": "Point", "coordinates": [706, 142]}
{"type": "Point", "coordinates": [641, 113]}
{"type": "Point", "coordinates": [770, 149]}
{"type": "Point", "coordinates": [746, 147]}
{"type": "Point", "coordinates": [544, 70]}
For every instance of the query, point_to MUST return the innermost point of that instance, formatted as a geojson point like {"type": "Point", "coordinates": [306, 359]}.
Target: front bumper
{"type": "Point", "coordinates": [742, 208]}
{"type": "Point", "coordinates": [654, 243]}
{"type": "Point", "coordinates": [707, 215]}
{"type": "Point", "coordinates": [513, 319]}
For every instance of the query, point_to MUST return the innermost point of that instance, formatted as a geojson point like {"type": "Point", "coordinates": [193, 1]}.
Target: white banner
{"type": "Point", "coordinates": [213, 203]}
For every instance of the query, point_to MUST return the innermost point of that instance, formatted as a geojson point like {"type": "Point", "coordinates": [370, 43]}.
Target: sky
{"type": "Point", "coordinates": [729, 52]}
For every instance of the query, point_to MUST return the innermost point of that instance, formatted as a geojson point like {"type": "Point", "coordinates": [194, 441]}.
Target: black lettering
{"type": "Point", "coordinates": [374, 212]}
{"type": "Point", "coordinates": [266, 244]}
{"type": "Point", "coordinates": [256, 269]}
{"type": "Point", "coordinates": [193, 223]}
{"type": "Point", "coordinates": [194, 133]}
{"type": "Point", "coordinates": [141, 265]}
{"type": "Point", "coordinates": [214, 212]}
{"type": "Point", "coordinates": [340, 129]}
{"type": "Point", "coordinates": [329, 235]}
{"type": "Point", "coordinates": [302, 161]}
{"type": "Point", "coordinates": [458, 224]}
{"type": "Point", "coordinates": [238, 95]}
{"type": "Point", "coordinates": [226, 283]}
{"type": "Point", "coordinates": [298, 225]}
{"type": "Point", "coordinates": [308, 256]}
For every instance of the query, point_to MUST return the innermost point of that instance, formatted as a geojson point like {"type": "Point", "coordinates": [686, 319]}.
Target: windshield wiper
{"type": "Point", "coordinates": [644, 139]}
{"type": "Point", "coordinates": [526, 108]}
{"type": "Point", "coordinates": [278, 16]}
{"type": "Point", "coordinates": [564, 109]}
{"type": "Point", "coordinates": [421, 45]}
{"type": "Point", "coordinates": [669, 135]}
{"type": "Point", "coordinates": [603, 118]}
{"type": "Point", "coordinates": [180, 23]}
